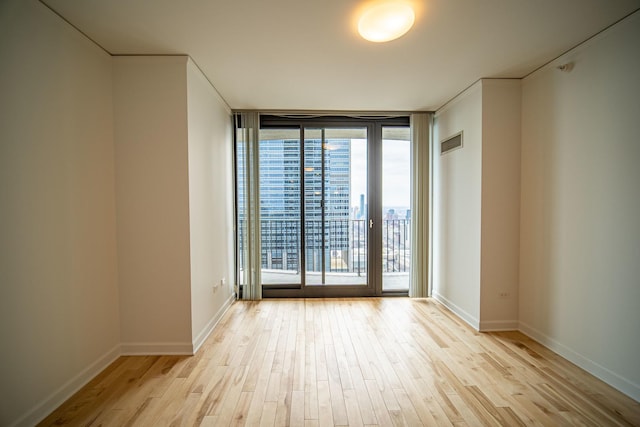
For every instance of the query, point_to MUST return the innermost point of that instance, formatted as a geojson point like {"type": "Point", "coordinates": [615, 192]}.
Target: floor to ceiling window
{"type": "Point", "coordinates": [334, 206]}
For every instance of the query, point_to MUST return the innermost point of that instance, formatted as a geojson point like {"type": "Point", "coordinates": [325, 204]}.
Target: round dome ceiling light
{"type": "Point", "coordinates": [386, 21]}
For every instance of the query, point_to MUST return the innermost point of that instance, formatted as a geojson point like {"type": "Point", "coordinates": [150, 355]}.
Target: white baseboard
{"type": "Point", "coordinates": [481, 326]}
{"type": "Point", "coordinates": [472, 321]}
{"type": "Point", "coordinates": [614, 380]}
{"type": "Point", "coordinates": [68, 389]}
{"type": "Point", "coordinates": [157, 348]}
{"type": "Point", "coordinates": [206, 331]}
{"type": "Point", "coordinates": [498, 325]}
{"type": "Point", "coordinates": [58, 397]}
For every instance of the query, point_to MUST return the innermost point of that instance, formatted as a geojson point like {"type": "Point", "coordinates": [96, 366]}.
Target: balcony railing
{"type": "Point", "coordinates": [345, 245]}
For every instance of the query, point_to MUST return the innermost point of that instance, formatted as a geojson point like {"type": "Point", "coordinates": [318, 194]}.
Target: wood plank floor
{"type": "Point", "coordinates": [356, 362]}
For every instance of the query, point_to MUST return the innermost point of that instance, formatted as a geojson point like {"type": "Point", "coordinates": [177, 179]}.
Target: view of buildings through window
{"type": "Point", "coordinates": [335, 208]}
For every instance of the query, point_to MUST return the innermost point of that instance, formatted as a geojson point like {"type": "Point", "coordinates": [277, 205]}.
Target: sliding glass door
{"type": "Point", "coordinates": [334, 210]}
{"type": "Point", "coordinates": [335, 194]}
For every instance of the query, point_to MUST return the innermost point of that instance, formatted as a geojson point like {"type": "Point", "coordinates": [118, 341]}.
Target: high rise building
{"type": "Point", "coordinates": [327, 174]}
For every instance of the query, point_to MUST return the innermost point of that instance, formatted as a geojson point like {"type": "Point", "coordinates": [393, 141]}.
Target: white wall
{"type": "Point", "coordinates": [75, 125]}
{"type": "Point", "coordinates": [476, 205]}
{"type": "Point", "coordinates": [58, 270]}
{"type": "Point", "coordinates": [580, 238]}
{"type": "Point", "coordinates": [457, 204]}
{"type": "Point", "coordinates": [500, 234]}
{"type": "Point", "coordinates": [210, 203]}
{"type": "Point", "coordinates": [152, 188]}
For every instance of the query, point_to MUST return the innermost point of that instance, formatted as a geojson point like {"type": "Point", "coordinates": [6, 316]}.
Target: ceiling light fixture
{"type": "Point", "coordinates": [386, 21]}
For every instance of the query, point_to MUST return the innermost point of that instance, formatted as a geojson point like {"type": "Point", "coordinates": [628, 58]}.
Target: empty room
{"type": "Point", "coordinates": [319, 213]}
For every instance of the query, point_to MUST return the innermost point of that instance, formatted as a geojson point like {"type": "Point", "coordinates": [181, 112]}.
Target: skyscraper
{"type": "Point", "coordinates": [326, 192]}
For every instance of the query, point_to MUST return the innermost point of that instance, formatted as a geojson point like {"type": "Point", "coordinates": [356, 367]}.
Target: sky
{"type": "Point", "coordinates": [395, 172]}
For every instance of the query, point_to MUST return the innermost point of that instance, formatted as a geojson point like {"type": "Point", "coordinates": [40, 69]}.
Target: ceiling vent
{"type": "Point", "coordinates": [451, 143]}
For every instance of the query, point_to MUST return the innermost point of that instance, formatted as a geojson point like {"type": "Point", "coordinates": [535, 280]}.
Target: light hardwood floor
{"type": "Point", "coordinates": [324, 362]}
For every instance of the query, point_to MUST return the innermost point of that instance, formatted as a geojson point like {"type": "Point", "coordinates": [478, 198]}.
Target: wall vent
{"type": "Point", "coordinates": [451, 143]}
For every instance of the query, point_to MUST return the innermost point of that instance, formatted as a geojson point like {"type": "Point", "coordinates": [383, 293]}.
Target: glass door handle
{"type": "Point", "coordinates": [370, 223]}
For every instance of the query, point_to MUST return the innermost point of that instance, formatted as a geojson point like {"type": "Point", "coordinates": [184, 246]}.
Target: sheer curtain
{"type": "Point", "coordinates": [420, 198]}
{"type": "Point", "coordinates": [248, 204]}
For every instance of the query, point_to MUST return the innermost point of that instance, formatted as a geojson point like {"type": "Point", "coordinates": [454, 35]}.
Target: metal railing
{"type": "Point", "coordinates": [396, 245]}
{"type": "Point", "coordinates": [345, 245]}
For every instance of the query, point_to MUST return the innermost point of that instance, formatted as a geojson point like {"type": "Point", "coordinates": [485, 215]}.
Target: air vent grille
{"type": "Point", "coordinates": [451, 143]}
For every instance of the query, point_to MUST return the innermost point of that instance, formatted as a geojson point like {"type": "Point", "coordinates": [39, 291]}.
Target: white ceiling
{"type": "Point", "coordinates": [306, 55]}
